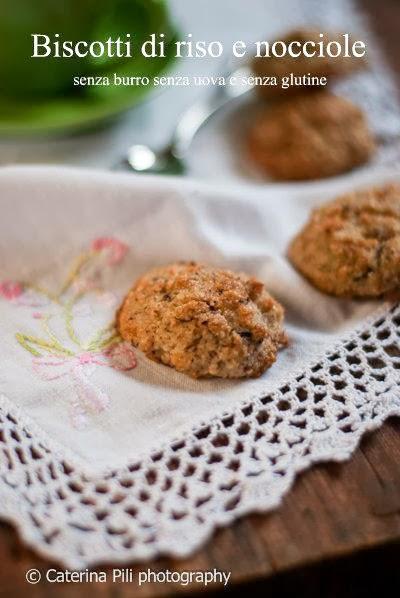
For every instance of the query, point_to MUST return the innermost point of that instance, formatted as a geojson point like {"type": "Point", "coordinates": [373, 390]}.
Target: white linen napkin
{"type": "Point", "coordinates": [72, 242]}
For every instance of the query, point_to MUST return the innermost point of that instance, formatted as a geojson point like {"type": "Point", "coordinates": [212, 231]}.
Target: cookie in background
{"type": "Point", "coordinates": [351, 246]}
{"type": "Point", "coordinates": [311, 136]}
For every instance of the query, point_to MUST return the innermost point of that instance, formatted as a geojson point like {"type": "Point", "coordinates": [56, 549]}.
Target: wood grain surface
{"type": "Point", "coordinates": [336, 534]}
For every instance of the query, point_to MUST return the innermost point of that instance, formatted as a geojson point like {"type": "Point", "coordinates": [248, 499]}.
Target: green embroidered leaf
{"type": "Point", "coordinates": [26, 341]}
{"type": "Point", "coordinates": [23, 341]}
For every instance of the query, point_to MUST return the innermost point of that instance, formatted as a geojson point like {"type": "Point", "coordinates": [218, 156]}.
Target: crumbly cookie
{"type": "Point", "coordinates": [351, 246]}
{"type": "Point", "coordinates": [315, 66]}
{"type": "Point", "coordinates": [309, 137]}
{"type": "Point", "coordinates": [203, 321]}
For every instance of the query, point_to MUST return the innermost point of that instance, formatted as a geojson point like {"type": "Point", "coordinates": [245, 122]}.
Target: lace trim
{"type": "Point", "coordinates": [170, 501]}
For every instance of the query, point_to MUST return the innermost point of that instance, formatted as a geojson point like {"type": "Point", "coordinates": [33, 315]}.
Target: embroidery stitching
{"type": "Point", "coordinates": [51, 358]}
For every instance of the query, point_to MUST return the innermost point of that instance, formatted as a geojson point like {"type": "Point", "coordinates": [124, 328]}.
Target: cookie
{"type": "Point", "coordinates": [203, 321]}
{"type": "Point", "coordinates": [351, 246]}
{"type": "Point", "coordinates": [310, 137]}
{"type": "Point", "coordinates": [301, 65]}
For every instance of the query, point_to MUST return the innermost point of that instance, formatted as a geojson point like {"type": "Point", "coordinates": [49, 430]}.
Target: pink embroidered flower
{"type": "Point", "coordinates": [54, 361]}
{"type": "Point", "coordinates": [22, 295]}
{"type": "Point", "coordinates": [115, 249]}
{"type": "Point", "coordinates": [11, 290]}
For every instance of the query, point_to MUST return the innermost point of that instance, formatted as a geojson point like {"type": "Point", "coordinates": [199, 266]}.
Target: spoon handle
{"type": "Point", "coordinates": [199, 113]}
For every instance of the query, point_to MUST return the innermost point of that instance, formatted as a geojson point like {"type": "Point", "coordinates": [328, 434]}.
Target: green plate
{"type": "Point", "coordinates": [83, 110]}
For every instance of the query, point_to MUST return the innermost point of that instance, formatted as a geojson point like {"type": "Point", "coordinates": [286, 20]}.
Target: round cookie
{"type": "Point", "coordinates": [310, 137]}
{"type": "Point", "coordinates": [315, 66]}
{"type": "Point", "coordinates": [203, 321]}
{"type": "Point", "coordinates": [351, 246]}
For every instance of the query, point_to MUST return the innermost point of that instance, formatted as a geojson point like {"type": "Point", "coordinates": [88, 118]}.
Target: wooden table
{"type": "Point", "coordinates": [336, 534]}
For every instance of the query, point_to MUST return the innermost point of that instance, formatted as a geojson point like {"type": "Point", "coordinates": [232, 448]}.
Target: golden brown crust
{"type": "Point", "coordinates": [351, 246]}
{"type": "Point", "coordinates": [310, 137]}
{"type": "Point", "coordinates": [203, 321]}
{"type": "Point", "coordinates": [301, 65]}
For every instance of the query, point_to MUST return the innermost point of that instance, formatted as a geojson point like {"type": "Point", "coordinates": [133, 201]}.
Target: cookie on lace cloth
{"type": "Point", "coordinates": [204, 321]}
{"type": "Point", "coordinates": [351, 246]}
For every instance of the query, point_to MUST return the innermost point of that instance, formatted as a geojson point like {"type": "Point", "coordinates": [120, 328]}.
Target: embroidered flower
{"type": "Point", "coordinates": [65, 352]}
{"type": "Point", "coordinates": [10, 290]}
{"type": "Point", "coordinates": [115, 249]}
{"type": "Point", "coordinates": [22, 295]}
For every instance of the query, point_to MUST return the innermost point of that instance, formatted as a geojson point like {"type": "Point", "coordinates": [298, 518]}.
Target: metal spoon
{"type": "Point", "coordinates": [171, 159]}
